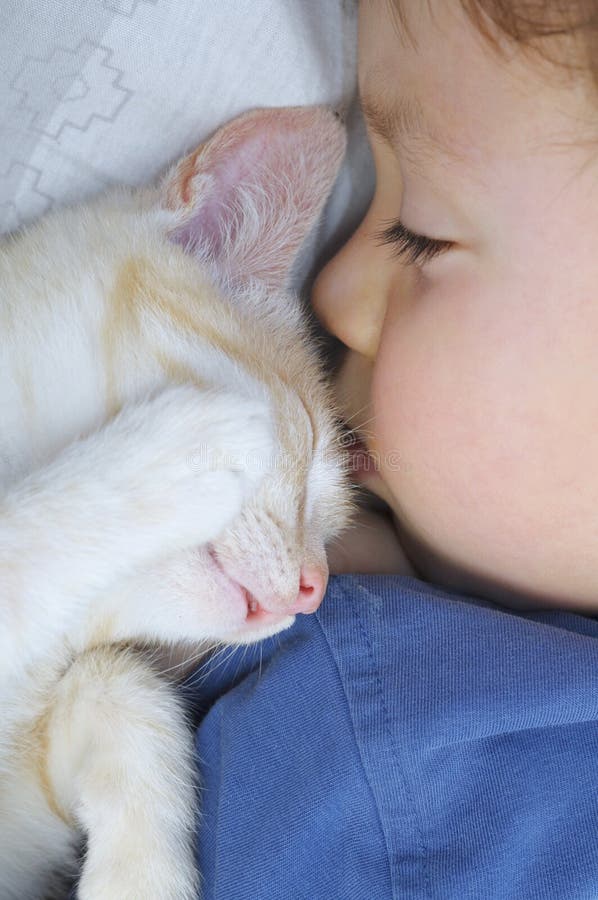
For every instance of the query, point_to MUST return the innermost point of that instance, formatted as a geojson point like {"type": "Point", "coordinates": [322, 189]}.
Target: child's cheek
{"type": "Point", "coordinates": [442, 430]}
{"type": "Point", "coordinates": [468, 421]}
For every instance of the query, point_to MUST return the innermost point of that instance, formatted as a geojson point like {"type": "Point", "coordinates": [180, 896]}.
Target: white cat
{"type": "Point", "coordinates": [170, 473]}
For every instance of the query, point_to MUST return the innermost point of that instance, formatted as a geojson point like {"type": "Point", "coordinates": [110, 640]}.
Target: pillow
{"type": "Point", "coordinates": [103, 92]}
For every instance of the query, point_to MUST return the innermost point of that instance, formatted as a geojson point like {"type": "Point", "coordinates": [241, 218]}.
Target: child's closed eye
{"type": "Point", "coordinates": [415, 249]}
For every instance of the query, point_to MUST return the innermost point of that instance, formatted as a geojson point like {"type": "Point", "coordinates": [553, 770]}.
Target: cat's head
{"type": "Point", "coordinates": [241, 206]}
{"type": "Point", "coordinates": [244, 203]}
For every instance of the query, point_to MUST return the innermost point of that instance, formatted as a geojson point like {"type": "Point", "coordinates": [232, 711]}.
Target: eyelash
{"type": "Point", "coordinates": [415, 249]}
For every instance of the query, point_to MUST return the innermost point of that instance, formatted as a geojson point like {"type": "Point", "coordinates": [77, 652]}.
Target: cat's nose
{"type": "Point", "coordinates": [312, 587]}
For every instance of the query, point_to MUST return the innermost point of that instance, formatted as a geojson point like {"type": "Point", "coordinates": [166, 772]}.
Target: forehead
{"type": "Point", "coordinates": [399, 119]}
{"type": "Point", "coordinates": [432, 82]}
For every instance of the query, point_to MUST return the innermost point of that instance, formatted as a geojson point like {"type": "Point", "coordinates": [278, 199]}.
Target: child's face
{"type": "Point", "coordinates": [476, 371]}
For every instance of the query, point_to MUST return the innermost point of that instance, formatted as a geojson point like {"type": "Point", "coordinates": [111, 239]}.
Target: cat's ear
{"type": "Point", "coordinates": [246, 198]}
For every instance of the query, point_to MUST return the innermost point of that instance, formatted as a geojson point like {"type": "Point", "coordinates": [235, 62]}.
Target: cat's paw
{"type": "Point", "coordinates": [120, 760]}
{"type": "Point", "coordinates": [160, 876]}
{"type": "Point", "coordinates": [240, 440]}
{"type": "Point", "coordinates": [198, 455]}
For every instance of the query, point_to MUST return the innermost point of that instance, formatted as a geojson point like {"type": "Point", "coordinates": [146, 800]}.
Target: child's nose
{"type": "Point", "coordinates": [349, 296]}
{"type": "Point", "coordinates": [312, 587]}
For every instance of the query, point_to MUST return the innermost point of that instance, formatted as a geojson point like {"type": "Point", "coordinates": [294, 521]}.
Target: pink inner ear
{"type": "Point", "coordinates": [202, 230]}
{"type": "Point", "coordinates": [248, 197]}
{"type": "Point", "coordinates": [216, 216]}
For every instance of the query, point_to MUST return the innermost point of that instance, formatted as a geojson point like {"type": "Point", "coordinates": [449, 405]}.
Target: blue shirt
{"type": "Point", "coordinates": [403, 742]}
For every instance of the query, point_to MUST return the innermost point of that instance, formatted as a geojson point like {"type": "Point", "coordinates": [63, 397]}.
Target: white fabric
{"type": "Point", "coordinates": [100, 92]}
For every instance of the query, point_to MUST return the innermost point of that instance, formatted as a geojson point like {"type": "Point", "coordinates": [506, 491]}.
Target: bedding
{"type": "Point", "coordinates": [101, 92]}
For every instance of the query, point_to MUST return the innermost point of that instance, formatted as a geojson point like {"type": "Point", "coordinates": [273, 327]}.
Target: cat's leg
{"type": "Point", "coordinates": [163, 475]}
{"type": "Point", "coordinates": [120, 763]}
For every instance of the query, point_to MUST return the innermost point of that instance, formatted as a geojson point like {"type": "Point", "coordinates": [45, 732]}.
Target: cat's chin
{"type": "Point", "coordinates": [252, 631]}
{"type": "Point", "coordinates": [258, 623]}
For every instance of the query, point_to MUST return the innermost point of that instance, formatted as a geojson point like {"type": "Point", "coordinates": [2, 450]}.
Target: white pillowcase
{"type": "Point", "coordinates": [100, 92]}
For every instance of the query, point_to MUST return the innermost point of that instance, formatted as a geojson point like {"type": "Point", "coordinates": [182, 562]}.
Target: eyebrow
{"type": "Point", "coordinates": [392, 121]}
{"type": "Point", "coordinates": [401, 121]}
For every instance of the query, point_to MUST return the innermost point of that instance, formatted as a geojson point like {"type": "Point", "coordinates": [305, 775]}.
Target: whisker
{"type": "Point", "coordinates": [188, 660]}
{"type": "Point", "coordinates": [361, 409]}
{"type": "Point", "coordinates": [223, 656]}
{"type": "Point", "coordinates": [365, 421]}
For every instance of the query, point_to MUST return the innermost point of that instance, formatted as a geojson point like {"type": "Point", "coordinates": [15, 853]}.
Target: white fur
{"type": "Point", "coordinates": [161, 410]}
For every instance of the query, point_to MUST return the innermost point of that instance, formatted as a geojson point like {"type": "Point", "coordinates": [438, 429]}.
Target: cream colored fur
{"type": "Point", "coordinates": [168, 445]}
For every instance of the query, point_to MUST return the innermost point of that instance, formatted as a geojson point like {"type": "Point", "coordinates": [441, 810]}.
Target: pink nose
{"type": "Point", "coordinates": [312, 587]}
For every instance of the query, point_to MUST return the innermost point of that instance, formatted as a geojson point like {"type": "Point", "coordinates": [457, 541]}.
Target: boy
{"type": "Point", "coordinates": [411, 741]}
{"type": "Point", "coordinates": [473, 346]}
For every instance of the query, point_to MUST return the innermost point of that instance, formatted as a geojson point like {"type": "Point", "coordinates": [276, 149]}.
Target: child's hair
{"type": "Point", "coordinates": [565, 32]}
